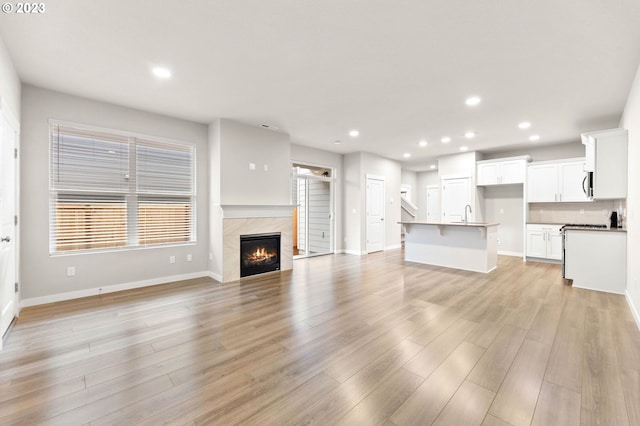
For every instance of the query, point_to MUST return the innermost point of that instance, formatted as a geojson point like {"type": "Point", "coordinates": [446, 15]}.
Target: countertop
{"type": "Point", "coordinates": [577, 228]}
{"type": "Point", "coordinates": [468, 224]}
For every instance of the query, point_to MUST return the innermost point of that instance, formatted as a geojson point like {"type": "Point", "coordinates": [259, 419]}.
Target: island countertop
{"type": "Point", "coordinates": [475, 224]}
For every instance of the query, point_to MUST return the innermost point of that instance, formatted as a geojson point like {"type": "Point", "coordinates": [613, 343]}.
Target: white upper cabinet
{"type": "Point", "coordinates": [606, 156]}
{"type": "Point", "coordinates": [556, 182]}
{"type": "Point", "coordinates": [501, 172]}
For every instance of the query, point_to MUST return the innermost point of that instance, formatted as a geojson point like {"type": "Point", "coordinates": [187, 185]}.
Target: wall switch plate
{"type": "Point", "coordinates": [266, 167]}
{"type": "Point", "coordinates": [252, 166]}
{"type": "Point", "coordinates": [498, 241]}
{"type": "Point", "coordinates": [189, 257]}
{"type": "Point", "coordinates": [71, 271]}
{"type": "Point", "coordinates": [501, 211]}
{"type": "Point", "coordinates": [172, 259]}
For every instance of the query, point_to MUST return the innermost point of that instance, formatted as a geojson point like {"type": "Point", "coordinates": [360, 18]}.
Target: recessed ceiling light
{"type": "Point", "coordinates": [161, 72]}
{"type": "Point", "coordinates": [534, 138]}
{"type": "Point", "coordinates": [524, 125]}
{"type": "Point", "coordinates": [406, 155]}
{"type": "Point", "coordinates": [470, 135]}
{"type": "Point", "coordinates": [354, 133]}
{"type": "Point", "coordinates": [433, 166]}
{"type": "Point", "coordinates": [464, 148]}
{"type": "Point", "coordinates": [445, 139]}
{"type": "Point", "coordinates": [337, 142]}
{"type": "Point", "coordinates": [423, 143]}
{"type": "Point", "coordinates": [472, 101]}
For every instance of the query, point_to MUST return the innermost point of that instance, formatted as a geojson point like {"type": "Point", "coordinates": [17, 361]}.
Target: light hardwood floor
{"type": "Point", "coordinates": [339, 340]}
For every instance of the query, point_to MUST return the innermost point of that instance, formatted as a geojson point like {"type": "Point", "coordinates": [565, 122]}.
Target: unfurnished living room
{"type": "Point", "coordinates": [320, 212]}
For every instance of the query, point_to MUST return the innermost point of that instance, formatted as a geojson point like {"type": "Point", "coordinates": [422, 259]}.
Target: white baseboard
{"type": "Point", "coordinates": [214, 276]}
{"type": "Point", "coordinates": [110, 289]}
{"type": "Point", "coordinates": [393, 247]}
{"type": "Point", "coordinates": [355, 252]}
{"type": "Point", "coordinates": [634, 311]}
{"type": "Point", "coordinates": [510, 253]}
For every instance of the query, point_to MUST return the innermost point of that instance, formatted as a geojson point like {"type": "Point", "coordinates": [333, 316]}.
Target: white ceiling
{"type": "Point", "coordinates": [397, 70]}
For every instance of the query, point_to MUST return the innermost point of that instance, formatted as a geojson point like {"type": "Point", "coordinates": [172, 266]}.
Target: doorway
{"type": "Point", "coordinates": [8, 219]}
{"type": "Point", "coordinates": [433, 203]}
{"type": "Point", "coordinates": [375, 228]}
{"type": "Point", "coordinates": [312, 193]}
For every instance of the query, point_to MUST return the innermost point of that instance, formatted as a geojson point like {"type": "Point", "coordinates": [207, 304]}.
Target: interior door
{"type": "Point", "coordinates": [375, 214]}
{"type": "Point", "coordinates": [433, 204]}
{"type": "Point", "coordinates": [8, 213]}
{"type": "Point", "coordinates": [456, 194]}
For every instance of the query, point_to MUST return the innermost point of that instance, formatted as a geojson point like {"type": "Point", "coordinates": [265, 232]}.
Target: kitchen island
{"type": "Point", "coordinates": [470, 246]}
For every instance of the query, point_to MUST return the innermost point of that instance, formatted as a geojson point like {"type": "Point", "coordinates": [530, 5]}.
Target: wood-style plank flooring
{"type": "Point", "coordinates": [339, 340]}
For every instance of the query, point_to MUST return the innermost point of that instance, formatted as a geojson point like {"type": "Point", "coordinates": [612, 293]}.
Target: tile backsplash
{"type": "Point", "coordinates": [595, 212]}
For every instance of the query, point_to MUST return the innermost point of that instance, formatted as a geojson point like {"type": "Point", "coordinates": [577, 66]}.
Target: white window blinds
{"type": "Point", "coordinates": [112, 191]}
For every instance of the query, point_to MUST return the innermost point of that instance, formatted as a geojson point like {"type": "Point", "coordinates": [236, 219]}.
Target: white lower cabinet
{"type": "Point", "coordinates": [596, 260]}
{"type": "Point", "coordinates": [544, 241]}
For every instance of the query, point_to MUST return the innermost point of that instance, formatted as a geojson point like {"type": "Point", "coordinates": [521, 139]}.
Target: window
{"type": "Point", "coordinates": [110, 190]}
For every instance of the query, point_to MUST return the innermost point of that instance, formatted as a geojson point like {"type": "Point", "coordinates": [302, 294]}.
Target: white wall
{"type": "Point", "coordinates": [312, 156]}
{"type": "Point", "coordinates": [353, 201]}
{"type": "Point", "coordinates": [410, 178]}
{"type": "Point", "coordinates": [9, 82]}
{"type": "Point", "coordinates": [242, 144]}
{"type": "Point", "coordinates": [503, 204]}
{"type": "Point", "coordinates": [216, 240]}
{"type": "Point", "coordinates": [44, 276]}
{"type": "Point", "coordinates": [631, 122]}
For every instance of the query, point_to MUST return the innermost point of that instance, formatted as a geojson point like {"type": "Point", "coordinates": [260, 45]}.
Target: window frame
{"type": "Point", "coordinates": [131, 195]}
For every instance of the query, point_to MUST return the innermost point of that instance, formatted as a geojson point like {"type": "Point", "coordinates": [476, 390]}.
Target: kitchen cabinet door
{"type": "Point", "coordinates": [542, 183]}
{"type": "Point", "coordinates": [554, 245]}
{"type": "Point", "coordinates": [488, 174]}
{"type": "Point", "coordinates": [570, 179]}
{"type": "Point", "coordinates": [512, 172]}
{"type": "Point", "coordinates": [536, 243]}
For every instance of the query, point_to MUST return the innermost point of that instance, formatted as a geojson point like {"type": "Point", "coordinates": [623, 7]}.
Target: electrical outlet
{"type": "Point", "coordinates": [252, 166]}
{"type": "Point", "coordinates": [189, 257]}
{"type": "Point", "coordinates": [172, 259]}
{"type": "Point", "coordinates": [71, 271]}
{"type": "Point", "coordinates": [210, 256]}
{"type": "Point", "coordinates": [581, 211]}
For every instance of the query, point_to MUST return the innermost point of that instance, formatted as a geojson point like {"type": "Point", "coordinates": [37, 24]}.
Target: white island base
{"type": "Point", "coordinates": [470, 246]}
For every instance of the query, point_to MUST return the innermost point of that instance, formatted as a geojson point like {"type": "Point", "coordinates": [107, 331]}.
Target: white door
{"type": "Point", "coordinates": [456, 194]}
{"type": "Point", "coordinates": [375, 214]}
{"type": "Point", "coordinates": [8, 295]}
{"type": "Point", "coordinates": [433, 204]}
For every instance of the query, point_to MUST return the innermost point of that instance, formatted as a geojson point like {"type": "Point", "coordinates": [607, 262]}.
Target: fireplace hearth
{"type": "Point", "coordinates": [259, 253]}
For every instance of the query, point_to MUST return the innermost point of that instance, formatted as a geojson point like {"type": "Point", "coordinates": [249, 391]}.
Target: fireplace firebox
{"type": "Point", "coordinates": [259, 253]}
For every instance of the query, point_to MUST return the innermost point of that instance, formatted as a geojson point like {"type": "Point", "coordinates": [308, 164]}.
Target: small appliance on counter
{"type": "Point", "coordinates": [614, 219]}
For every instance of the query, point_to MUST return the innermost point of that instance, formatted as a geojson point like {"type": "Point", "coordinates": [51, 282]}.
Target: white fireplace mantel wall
{"type": "Point", "coordinates": [250, 193]}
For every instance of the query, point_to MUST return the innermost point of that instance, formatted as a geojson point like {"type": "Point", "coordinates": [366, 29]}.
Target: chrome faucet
{"type": "Point", "coordinates": [465, 212]}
